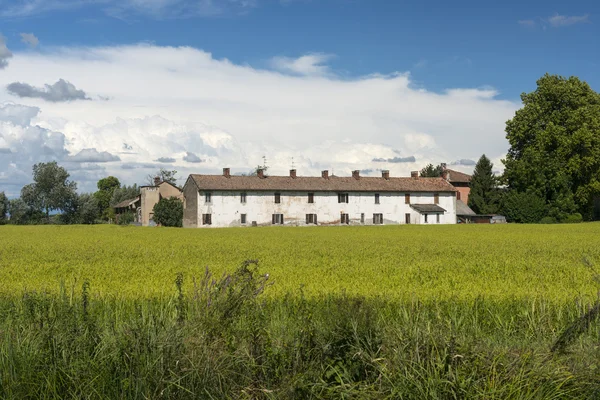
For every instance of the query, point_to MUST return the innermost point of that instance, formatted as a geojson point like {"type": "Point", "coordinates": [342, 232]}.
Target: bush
{"type": "Point", "coordinates": [548, 220]}
{"type": "Point", "coordinates": [573, 219]}
{"type": "Point", "coordinates": [169, 212]}
{"type": "Point", "coordinates": [523, 207]}
{"type": "Point", "coordinates": [125, 218]}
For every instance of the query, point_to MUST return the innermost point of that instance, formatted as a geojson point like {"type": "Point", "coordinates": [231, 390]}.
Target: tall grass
{"type": "Point", "coordinates": [224, 339]}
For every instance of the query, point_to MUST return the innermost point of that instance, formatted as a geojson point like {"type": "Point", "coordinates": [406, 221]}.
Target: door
{"type": "Point", "coordinates": [407, 218]}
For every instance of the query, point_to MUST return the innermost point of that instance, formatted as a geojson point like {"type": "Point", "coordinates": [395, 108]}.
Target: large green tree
{"type": "Point", "coordinates": [106, 189]}
{"type": "Point", "coordinates": [484, 196]}
{"type": "Point", "coordinates": [169, 212]}
{"type": "Point", "coordinates": [431, 172]}
{"type": "Point", "coordinates": [555, 145]}
{"type": "Point", "coordinates": [51, 189]}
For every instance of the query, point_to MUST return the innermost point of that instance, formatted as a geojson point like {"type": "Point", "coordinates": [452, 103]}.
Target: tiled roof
{"type": "Point", "coordinates": [463, 209]}
{"type": "Point", "coordinates": [126, 203]}
{"type": "Point", "coordinates": [318, 184]}
{"type": "Point", "coordinates": [457, 176]}
{"type": "Point", "coordinates": [428, 208]}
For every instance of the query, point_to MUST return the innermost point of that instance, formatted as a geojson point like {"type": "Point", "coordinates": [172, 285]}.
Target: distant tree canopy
{"type": "Point", "coordinates": [163, 175]}
{"type": "Point", "coordinates": [555, 146]}
{"type": "Point", "coordinates": [106, 188]}
{"type": "Point", "coordinates": [51, 189]}
{"type": "Point", "coordinates": [484, 197]}
{"type": "Point", "coordinates": [169, 212]}
{"type": "Point", "coordinates": [124, 193]}
{"type": "Point", "coordinates": [432, 172]}
{"type": "Point", "coordinates": [3, 208]}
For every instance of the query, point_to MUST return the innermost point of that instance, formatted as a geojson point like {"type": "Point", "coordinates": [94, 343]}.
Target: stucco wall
{"type": "Point", "coordinates": [149, 197]}
{"type": "Point", "coordinates": [190, 206]}
{"type": "Point", "coordinates": [226, 208]}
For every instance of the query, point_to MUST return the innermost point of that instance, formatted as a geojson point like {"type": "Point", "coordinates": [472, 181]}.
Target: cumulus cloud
{"type": "Point", "coordinates": [58, 92]}
{"type": "Point", "coordinates": [29, 39]}
{"type": "Point", "coordinates": [241, 114]}
{"type": "Point", "coordinates": [5, 53]}
{"type": "Point", "coordinates": [396, 160]}
{"type": "Point", "coordinates": [191, 157]}
{"type": "Point", "coordinates": [310, 64]}
{"type": "Point", "coordinates": [527, 22]}
{"type": "Point", "coordinates": [464, 161]}
{"type": "Point", "coordinates": [93, 156]}
{"type": "Point", "coordinates": [558, 20]}
{"type": "Point", "coordinates": [167, 160]}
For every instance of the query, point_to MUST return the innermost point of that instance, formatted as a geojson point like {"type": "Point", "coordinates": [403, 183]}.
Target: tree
{"type": "Point", "coordinates": [523, 207]}
{"type": "Point", "coordinates": [106, 188]}
{"type": "Point", "coordinates": [88, 208]}
{"type": "Point", "coordinates": [20, 213]}
{"type": "Point", "coordinates": [431, 172]}
{"type": "Point", "coordinates": [484, 196]}
{"type": "Point", "coordinates": [555, 145]}
{"type": "Point", "coordinates": [169, 212]}
{"type": "Point", "coordinates": [124, 193]}
{"type": "Point", "coordinates": [51, 191]}
{"type": "Point", "coordinates": [163, 175]}
{"type": "Point", "coordinates": [3, 208]}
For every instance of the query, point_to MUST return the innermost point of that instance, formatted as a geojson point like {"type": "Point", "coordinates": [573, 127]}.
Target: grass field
{"type": "Point", "coordinates": [410, 312]}
{"type": "Point", "coordinates": [394, 262]}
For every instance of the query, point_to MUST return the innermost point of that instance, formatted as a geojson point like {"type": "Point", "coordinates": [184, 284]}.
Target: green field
{"type": "Point", "coordinates": [394, 262]}
{"type": "Point", "coordinates": [393, 312]}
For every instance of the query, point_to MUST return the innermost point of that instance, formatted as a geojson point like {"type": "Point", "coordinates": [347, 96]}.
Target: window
{"type": "Point", "coordinates": [437, 218]}
{"type": "Point", "coordinates": [436, 198]}
{"type": "Point", "coordinates": [342, 197]}
{"type": "Point", "coordinates": [407, 218]}
{"type": "Point", "coordinates": [206, 219]}
{"type": "Point", "coordinates": [376, 198]}
{"type": "Point", "coordinates": [362, 218]}
{"type": "Point", "coordinates": [311, 197]}
{"type": "Point", "coordinates": [426, 218]}
{"type": "Point", "coordinates": [243, 218]}
{"type": "Point", "coordinates": [344, 219]}
{"type": "Point", "coordinates": [277, 198]}
{"type": "Point", "coordinates": [243, 198]}
{"type": "Point", "coordinates": [207, 197]}
{"type": "Point", "coordinates": [407, 198]}
{"type": "Point", "coordinates": [277, 219]}
{"type": "Point", "coordinates": [378, 219]}
{"type": "Point", "coordinates": [311, 219]}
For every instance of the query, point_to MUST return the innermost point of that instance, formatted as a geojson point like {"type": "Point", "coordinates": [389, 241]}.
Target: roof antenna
{"type": "Point", "coordinates": [264, 162]}
{"type": "Point", "coordinates": [293, 167]}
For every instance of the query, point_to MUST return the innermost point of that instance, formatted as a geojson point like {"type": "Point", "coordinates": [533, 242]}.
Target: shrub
{"type": "Point", "coordinates": [125, 218]}
{"type": "Point", "coordinates": [573, 219]}
{"type": "Point", "coordinates": [548, 220]}
{"type": "Point", "coordinates": [523, 207]}
{"type": "Point", "coordinates": [169, 212]}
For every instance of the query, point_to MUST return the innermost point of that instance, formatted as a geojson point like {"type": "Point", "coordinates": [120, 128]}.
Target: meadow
{"type": "Point", "coordinates": [410, 312]}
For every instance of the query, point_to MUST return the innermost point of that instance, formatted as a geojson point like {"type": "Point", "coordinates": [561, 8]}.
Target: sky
{"type": "Point", "coordinates": [126, 87]}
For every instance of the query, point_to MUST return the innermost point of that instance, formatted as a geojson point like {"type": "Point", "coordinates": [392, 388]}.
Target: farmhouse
{"type": "Point", "coordinates": [229, 200]}
{"type": "Point", "coordinates": [142, 206]}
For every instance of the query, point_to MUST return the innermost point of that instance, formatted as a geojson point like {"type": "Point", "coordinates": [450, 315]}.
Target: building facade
{"type": "Point", "coordinates": [227, 200]}
{"type": "Point", "coordinates": [143, 205]}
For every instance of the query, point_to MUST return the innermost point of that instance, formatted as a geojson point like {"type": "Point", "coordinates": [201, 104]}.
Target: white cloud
{"type": "Point", "coordinates": [29, 39]}
{"type": "Point", "coordinates": [310, 64]}
{"type": "Point", "coordinates": [558, 20]}
{"type": "Point", "coordinates": [168, 102]}
{"type": "Point", "coordinates": [527, 22]}
{"type": "Point", "coordinates": [93, 156]}
{"type": "Point", "coordinates": [57, 92]}
{"type": "Point", "coordinates": [5, 53]}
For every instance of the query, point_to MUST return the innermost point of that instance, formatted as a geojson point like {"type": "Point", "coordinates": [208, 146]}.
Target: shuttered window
{"type": "Point", "coordinates": [277, 219]}
{"type": "Point", "coordinates": [277, 198]}
{"type": "Point", "coordinates": [407, 198]}
{"type": "Point", "coordinates": [311, 219]}
{"type": "Point", "coordinates": [206, 219]}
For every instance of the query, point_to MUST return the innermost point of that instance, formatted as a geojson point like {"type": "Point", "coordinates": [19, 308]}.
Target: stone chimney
{"type": "Point", "coordinates": [156, 180]}
{"type": "Point", "coordinates": [414, 174]}
{"type": "Point", "coordinates": [325, 174]}
{"type": "Point", "coordinates": [292, 173]}
{"type": "Point", "coordinates": [226, 173]}
{"type": "Point", "coordinates": [356, 174]}
{"type": "Point", "coordinates": [385, 174]}
{"type": "Point", "coordinates": [260, 173]}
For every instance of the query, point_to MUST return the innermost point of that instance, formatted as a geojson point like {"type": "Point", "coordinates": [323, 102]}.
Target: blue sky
{"type": "Point", "coordinates": [444, 44]}
{"type": "Point", "coordinates": [123, 87]}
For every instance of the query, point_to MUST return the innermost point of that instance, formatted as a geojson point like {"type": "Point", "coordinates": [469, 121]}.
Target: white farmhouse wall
{"type": "Point", "coordinates": [226, 208]}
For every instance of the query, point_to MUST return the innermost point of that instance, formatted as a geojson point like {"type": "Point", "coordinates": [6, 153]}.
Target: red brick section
{"type": "Point", "coordinates": [318, 184]}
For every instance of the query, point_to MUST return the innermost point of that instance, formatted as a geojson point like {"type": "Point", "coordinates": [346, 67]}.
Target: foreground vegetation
{"type": "Point", "coordinates": [368, 312]}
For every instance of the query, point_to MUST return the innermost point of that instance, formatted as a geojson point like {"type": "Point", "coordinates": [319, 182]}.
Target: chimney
{"type": "Point", "coordinates": [443, 166]}
{"type": "Point", "coordinates": [156, 180]}
{"type": "Point", "coordinates": [356, 174]}
{"type": "Point", "coordinates": [414, 174]}
{"type": "Point", "coordinates": [226, 173]}
{"type": "Point", "coordinates": [385, 174]}
{"type": "Point", "coordinates": [325, 174]}
{"type": "Point", "coordinates": [292, 173]}
{"type": "Point", "coordinates": [260, 173]}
